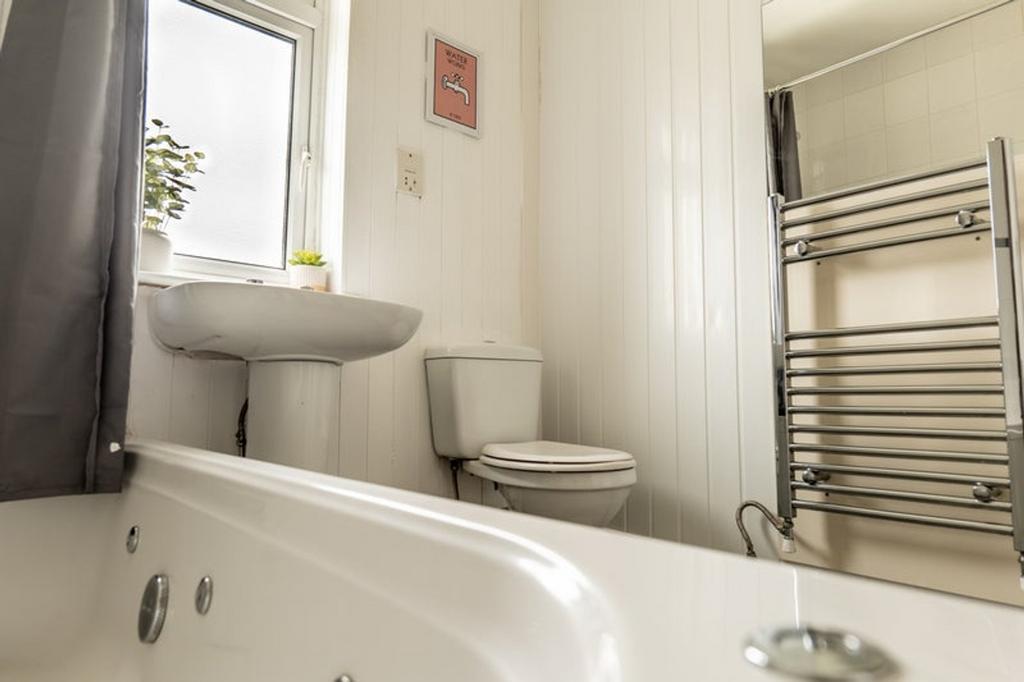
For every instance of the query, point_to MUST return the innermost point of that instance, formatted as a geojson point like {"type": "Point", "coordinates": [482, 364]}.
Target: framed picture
{"type": "Point", "coordinates": [453, 85]}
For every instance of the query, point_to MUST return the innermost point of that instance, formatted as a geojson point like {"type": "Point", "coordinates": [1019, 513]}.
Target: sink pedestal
{"type": "Point", "coordinates": [293, 414]}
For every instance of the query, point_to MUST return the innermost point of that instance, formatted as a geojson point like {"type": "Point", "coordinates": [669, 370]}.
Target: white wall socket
{"type": "Point", "coordinates": [410, 172]}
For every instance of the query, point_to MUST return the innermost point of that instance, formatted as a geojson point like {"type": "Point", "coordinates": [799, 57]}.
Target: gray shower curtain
{"type": "Point", "coordinates": [785, 159]}
{"type": "Point", "coordinates": [71, 107]}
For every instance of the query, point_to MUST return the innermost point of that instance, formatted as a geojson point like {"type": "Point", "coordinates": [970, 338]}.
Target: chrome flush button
{"type": "Point", "coordinates": [808, 653]}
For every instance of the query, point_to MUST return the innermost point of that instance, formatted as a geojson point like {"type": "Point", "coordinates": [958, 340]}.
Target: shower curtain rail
{"type": "Point", "coordinates": [946, 212]}
{"type": "Point", "coordinates": [902, 453]}
{"type": "Point", "coordinates": [969, 186]}
{"type": "Point", "coordinates": [899, 328]}
{"type": "Point", "coordinates": [920, 519]}
{"type": "Point", "coordinates": [903, 474]}
{"type": "Point", "coordinates": [958, 389]}
{"type": "Point", "coordinates": [896, 348]}
{"type": "Point", "coordinates": [884, 184]}
{"type": "Point", "coordinates": [904, 496]}
{"type": "Point", "coordinates": [813, 255]}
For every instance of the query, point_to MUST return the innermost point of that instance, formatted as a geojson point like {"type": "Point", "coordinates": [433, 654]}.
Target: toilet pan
{"type": "Point", "coordinates": [558, 480]}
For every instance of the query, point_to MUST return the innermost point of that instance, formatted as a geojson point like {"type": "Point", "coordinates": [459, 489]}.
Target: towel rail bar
{"type": "Point", "coordinates": [920, 519]}
{"type": "Point", "coordinates": [905, 496]}
{"type": "Point", "coordinates": [902, 453]}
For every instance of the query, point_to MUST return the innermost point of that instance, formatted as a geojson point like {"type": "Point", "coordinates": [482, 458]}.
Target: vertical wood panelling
{"type": "Point", "coordinates": [456, 253]}
{"type": "Point", "coordinates": [181, 399]}
{"type": "Point", "coordinates": [676, 130]}
{"type": "Point", "coordinates": [691, 376]}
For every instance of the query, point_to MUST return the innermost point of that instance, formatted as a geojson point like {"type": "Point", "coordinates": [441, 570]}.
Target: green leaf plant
{"type": "Point", "coordinates": [302, 257]}
{"type": "Point", "coordinates": [168, 168]}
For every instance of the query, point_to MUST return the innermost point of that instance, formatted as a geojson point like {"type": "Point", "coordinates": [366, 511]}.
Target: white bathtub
{"type": "Point", "coordinates": [317, 576]}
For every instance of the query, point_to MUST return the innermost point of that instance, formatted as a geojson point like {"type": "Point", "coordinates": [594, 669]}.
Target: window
{"type": "Point", "coordinates": [234, 81]}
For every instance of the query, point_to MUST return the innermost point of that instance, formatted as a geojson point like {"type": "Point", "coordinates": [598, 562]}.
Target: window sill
{"type": "Point", "coordinates": [169, 279]}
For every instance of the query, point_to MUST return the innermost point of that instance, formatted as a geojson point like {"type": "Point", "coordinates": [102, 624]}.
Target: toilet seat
{"type": "Point", "coordinates": [552, 457]}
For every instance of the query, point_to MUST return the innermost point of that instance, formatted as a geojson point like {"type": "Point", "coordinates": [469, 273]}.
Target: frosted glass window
{"type": "Point", "coordinates": [224, 87]}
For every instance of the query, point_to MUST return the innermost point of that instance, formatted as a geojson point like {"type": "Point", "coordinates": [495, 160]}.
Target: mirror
{"type": "Point", "coordinates": [881, 88]}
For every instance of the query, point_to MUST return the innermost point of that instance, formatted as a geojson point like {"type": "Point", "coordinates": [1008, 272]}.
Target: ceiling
{"type": "Point", "coordinates": [803, 36]}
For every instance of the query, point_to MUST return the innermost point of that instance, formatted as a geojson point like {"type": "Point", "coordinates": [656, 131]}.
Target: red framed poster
{"type": "Point", "coordinates": [453, 85]}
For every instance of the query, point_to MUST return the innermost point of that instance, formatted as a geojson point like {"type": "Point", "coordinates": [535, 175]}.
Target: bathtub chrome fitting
{"type": "Point", "coordinates": [807, 653]}
{"type": "Point", "coordinates": [345, 678]}
{"type": "Point", "coordinates": [204, 595]}
{"type": "Point", "coordinates": [782, 525]}
{"type": "Point", "coordinates": [153, 609]}
{"type": "Point", "coordinates": [131, 543]}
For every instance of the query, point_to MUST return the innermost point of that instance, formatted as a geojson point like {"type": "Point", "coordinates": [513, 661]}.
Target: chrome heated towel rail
{"type": "Point", "coordinates": [974, 478]}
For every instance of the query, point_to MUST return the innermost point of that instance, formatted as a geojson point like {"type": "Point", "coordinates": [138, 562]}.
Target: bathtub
{"type": "Point", "coordinates": [316, 577]}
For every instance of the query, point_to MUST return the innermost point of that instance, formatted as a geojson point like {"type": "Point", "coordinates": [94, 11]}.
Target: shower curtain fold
{"type": "Point", "coordinates": [785, 159]}
{"type": "Point", "coordinates": [71, 110]}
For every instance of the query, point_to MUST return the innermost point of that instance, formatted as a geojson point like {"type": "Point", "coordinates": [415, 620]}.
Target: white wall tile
{"type": "Point", "coordinates": [823, 124]}
{"type": "Point", "coordinates": [997, 25]}
{"type": "Point", "coordinates": [949, 43]}
{"type": "Point", "coordinates": [951, 83]}
{"type": "Point", "coordinates": [955, 134]}
{"type": "Point", "coordinates": [904, 60]}
{"type": "Point", "coordinates": [906, 98]}
{"type": "Point", "coordinates": [1002, 115]}
{"type": "Point", "coordinates": [908, 146]}
{"type": "Point", "coordinates": [864, 112]}
{"type": "Point", "coordinates": [862, 75]}
{"type": "Point", "coordinates": [824, 89]}
{"type": "Point", "coordinates": [866, 157]}
{"type": "Point", "coordinates": [1000, 68]}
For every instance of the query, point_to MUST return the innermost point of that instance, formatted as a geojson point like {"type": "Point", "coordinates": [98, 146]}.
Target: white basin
{"type": "Point", "coordinates": [262, 322]}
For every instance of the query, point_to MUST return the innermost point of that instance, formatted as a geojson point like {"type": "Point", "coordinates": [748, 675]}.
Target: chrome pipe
{"type": "Point", "coordinates": [887, 243]}
{"type": "Point", "coordinates": [883, 184]}
{"type": "Point", "coordinates": [938, 325]}
{"type": "Point", "coordinates": [979, 412]}
{"type": "Point", "coordinates": [903, 496]}
{"type": "Point", "coordinates": [894, 348]}
{"type": "Point", "coordinates": [779, 324]}
{"type": "Point", "coordinates": [1008, 279]}
{"type": "Point", "coordinates": [903, 474]}
{"type": "Point", "coordinates": [957, 434]}
{"type": "Point", "coordinates": [947, 211]}
{"type": "Point", "coordinates": [905, 517]}
{"type": "Point", "coordinates": [960, 389]}
{"type": "Point", "coordinates": [969, 186]}
{"type": "Point", "coordinates": [897, 369]}
{"type": "Point", "coordinates": [902, 453]}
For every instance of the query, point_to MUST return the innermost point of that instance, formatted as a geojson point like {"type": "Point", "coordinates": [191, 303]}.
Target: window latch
{"type": "Point", "coordinates": [304, 164]}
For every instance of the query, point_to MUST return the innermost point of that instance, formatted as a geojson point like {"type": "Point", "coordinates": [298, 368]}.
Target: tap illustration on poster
{"type": "Point", "coordinates": [453, 92]}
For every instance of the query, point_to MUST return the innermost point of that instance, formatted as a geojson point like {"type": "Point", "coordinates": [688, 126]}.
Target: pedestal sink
{"type": "Point", "coordinates": [294, 342]}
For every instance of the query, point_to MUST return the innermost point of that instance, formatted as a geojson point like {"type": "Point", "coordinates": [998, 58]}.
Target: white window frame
{"type": "Point", "coordinates": [299, 22]}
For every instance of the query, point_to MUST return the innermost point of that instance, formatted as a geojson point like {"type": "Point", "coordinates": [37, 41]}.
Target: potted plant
{"type": "Point", "coordinates": [168, 166]}
{"type": "Point", "coordinates": [308, 270]}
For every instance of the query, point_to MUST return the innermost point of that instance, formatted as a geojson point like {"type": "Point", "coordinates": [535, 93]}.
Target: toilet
{"type": "Point", "coordinates": [485, 416]}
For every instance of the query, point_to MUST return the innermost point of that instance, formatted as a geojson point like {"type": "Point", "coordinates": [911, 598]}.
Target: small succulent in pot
{"type": "Point", "coordinates": [308, 270]}
{"type": "Point", "coordinates": [168, 168]}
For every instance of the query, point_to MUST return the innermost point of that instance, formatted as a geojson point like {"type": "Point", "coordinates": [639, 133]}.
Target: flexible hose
{"type": "Point", "coordinates": [783, 526]}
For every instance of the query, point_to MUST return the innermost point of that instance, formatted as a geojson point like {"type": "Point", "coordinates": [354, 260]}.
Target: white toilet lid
{"type": "Point", "coordinates": [543, 455]}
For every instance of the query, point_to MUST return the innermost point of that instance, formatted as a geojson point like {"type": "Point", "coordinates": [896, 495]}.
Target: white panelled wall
{"type": "Point", "coordinates": [460, 252]}
{"type": "Point", "coordinates": [654, 280]}
{"type": "Point", "coordinates": [612, 213]}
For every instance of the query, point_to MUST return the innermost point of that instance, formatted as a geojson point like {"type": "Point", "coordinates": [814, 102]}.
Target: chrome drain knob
{"type": "Point", "coordinates": [153, 609]}
{"type": "Point", "coordinates": [808, 653]}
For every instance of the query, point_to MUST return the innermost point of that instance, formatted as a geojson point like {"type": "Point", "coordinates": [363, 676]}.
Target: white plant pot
{"type": "Point", "coordinates": [155, 251]}
{"type": "Point", "coordinates": [308, 277]}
